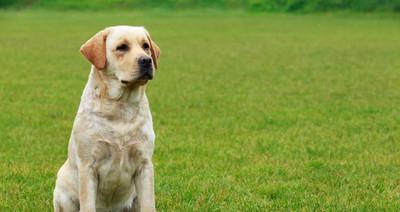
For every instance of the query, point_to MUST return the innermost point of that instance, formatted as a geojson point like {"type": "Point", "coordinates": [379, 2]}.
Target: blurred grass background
{"type": "Point", "coordinates": [253, 111]}
{"type": "Point", "coordinates": [247, 5]}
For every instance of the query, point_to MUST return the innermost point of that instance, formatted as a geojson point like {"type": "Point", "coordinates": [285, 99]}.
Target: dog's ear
{"type": "Point", "coordinates": [155, 51]}
{"type": "Point", "coordinates": [95, 50]}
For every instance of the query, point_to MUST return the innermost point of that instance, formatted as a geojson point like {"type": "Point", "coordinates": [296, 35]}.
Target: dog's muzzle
{"type": "Point", "coordinates": [146, 68]}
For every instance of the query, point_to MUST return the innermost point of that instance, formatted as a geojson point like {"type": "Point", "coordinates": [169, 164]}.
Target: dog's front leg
{"type": "Point", "coordinates": [87, 189]}
{"type": "Point", "coordinates": [144, 182]}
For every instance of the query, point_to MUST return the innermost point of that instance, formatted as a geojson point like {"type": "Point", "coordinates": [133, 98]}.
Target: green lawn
{"type": "Point", "coordinates": [251, 112]}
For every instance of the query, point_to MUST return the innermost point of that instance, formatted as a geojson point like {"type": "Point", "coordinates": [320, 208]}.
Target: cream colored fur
{"type": "Point", "coordinates": [109, 165]}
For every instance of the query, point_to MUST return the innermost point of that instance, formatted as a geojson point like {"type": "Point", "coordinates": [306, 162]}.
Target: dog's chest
{"type": "Point", "coordinates": [118, 154]}
{"type": "Point", "coordinates": [116, 167]}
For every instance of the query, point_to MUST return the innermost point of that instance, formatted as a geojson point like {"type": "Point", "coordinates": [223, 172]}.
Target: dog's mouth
{"type": "Point", "coordinates": [145, 76]}
{"type": "Point", "coordinates": [140, 80]}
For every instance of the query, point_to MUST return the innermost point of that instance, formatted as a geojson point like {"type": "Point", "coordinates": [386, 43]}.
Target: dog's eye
{"type": "Point", "coordinates": [123, 47]}
{"type": "Point", "coordinates": [145, 46]}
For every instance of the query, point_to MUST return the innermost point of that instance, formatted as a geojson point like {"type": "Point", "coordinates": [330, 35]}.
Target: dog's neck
{"type": "Point", "coordinates": [110, 89]}
{"type": "Point", "coordinates": [106, 96]}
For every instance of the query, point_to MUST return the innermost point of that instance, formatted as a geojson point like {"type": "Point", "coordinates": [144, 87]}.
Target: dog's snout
{"type": "Point", "coordinates": [145, 61]}
{"type": "Point", "coordinates": [146, 67]}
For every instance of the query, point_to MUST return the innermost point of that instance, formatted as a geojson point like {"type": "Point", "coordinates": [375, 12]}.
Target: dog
{"type": "Point", "coordinates": [109, 165]}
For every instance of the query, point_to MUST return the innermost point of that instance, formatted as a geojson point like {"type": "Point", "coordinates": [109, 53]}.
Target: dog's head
{"type": "Point", "coordinates": [125, 52]}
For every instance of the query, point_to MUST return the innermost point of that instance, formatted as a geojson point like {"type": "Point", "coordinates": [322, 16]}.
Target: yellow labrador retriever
{"type": "Point", "coordinates": [109, 165]}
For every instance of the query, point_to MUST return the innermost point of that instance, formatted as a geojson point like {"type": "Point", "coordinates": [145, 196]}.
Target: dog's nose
{"type": "Point", "coordinates": [145, 61]}
{"type": "Point", "coordinates": [146, 68]}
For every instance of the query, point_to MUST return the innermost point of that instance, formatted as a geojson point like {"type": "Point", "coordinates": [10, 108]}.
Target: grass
{"type": "Point", "coordinates": [252, 112]}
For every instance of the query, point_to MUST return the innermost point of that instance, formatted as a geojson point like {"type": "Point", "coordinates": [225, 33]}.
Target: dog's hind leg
{"type": "Point", "coordinates": [63, 203]}
{"type": "Point", "coordinates": [65, 197]}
